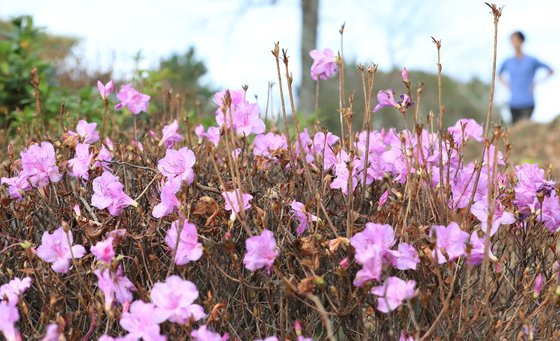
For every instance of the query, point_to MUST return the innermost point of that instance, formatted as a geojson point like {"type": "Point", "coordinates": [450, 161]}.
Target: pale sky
{"type": "Point", "coordinates": [235, 40]}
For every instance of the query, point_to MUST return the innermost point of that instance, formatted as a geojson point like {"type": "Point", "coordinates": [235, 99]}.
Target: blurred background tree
{"type": "Point", "coordinates": [65, 78]}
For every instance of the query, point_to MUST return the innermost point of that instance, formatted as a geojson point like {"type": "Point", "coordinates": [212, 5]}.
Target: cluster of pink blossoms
{"type": "Point", "coordinates": [38, 169]}
{"type": "Point", "coordinates": [176, 167]}
{"type": "Point", "coordinates": [9, 314]}
{"type": "Point", "coordinates": [242, 116]}
{"type": "Point", "coordinates": [108, 193]}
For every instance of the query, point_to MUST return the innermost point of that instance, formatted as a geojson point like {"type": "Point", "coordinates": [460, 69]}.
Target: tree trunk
{"type": "Point", "coordinates": [309, 23]}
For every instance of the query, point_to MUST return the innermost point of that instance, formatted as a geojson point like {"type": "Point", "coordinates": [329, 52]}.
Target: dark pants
{"type": "Point", "coordinates": [521, 113]}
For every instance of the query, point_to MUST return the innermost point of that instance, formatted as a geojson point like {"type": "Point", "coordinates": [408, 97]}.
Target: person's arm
{"type": "Point", "coordinates": [546, 66]}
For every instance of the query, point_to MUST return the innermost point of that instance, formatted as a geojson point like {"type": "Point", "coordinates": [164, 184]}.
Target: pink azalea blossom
{"type": "Point", "coordinates": [242, 115]}
{"type": "Point", "coordinates": [466, 128]}
{"type": "Point", "coordinates": [81, 161]}
{"type": "Point", "coordinates": [17, 186]}
{"type": "Point", "coordinates": [39, 164]}
{"type": "Point", "coordinates": [104, 251]}
{"type": "Point", "coordinates": [405, 257]}
{"type": "Point", "coordinates": [550, 209]}
{"type": "Point", "coordinates": [103, 159]}
{"type": "Point", "coordinates": [142, 321]}
{"type": "Point", "coordinates": [270, 338]}
{"type": "Point", "coordinates": [188, 247]}
{"type": "Point", "coordinates": [105, 90]}
{"type": "Point", "coordinates": [324, 64]}
{"type": "Point", "coordinates": [298, 210]}
{"type": "Point", "coordinates": [451, 239]}
{"type": "Point", "coordinates": [204, 334]}
{"type": "Point", "coordinates": [261, 251]}
{"type": "Point", "coordinates": [232, 201]}
{"type": "Point", "coordinates": [114, 286]}
{"type": "Point", "coordinates": [477, 250]}
{"type": "Point", "coordinates": [87, 131]}
{"type": "Point", "coordinates": [135, 101]}
{"type": "Point", "coordinates": [168, 198]}
{"type": "Point", "coordinates": [501, 217]}
{"type": "Point", "coordinates": [371, 267]}
{"type": "Point", "coordinates": [538, 285]}
{"type": "Point", "coordinates": [108, 193]}
{"type": "Point", "coordinates": [175, 298]}
{"type": "Point", "coordinates": [266, 144]}
{"type": "Point", "coordinates": [56, 248]}
{"type": "Point", "coordinates": [246, 119]}
{"type": "Point", "coordinates": [52, 333]}
{"type": "Point", "coordinates": [386, 99]}
{"type": "Point", "coordinates": [406, 336]}
{"type": "Point", "coordinates": [383, 199]}
{"type": "Point", "coordinates": [178, 163]}
{"type": "Point", "coordinates": [12, 290]}
{"type": "Point", "coordinates": [10, 315]}
{"type": "Point", "coordinates": [392, 293]}
{"type": "Point", "coordinates": [404, 75]}
{"type": "Point", "coordinates": [374, 236]}
{"type": "Point", "coordinates": [127, 337]}
{"type": "Point", "coordinates": [109, 143]}
{"type": "Point", "coordinates": [170, 135]}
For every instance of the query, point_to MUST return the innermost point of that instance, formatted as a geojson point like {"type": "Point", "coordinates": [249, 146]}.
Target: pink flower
{"type": "Point", "coordinates": [385, 99]}
{"type": "Point", "coordinates": [103, 158]}
{"type": "Point", "coordinates": [451, 239]}
{"type": "Point", "coordinates": [127, 337]}
{"type": "Point", "coordinates": [405, 258]}
{"type": "Point", "coordinates": [404, 75]}
{"type": "Point", "coordinates": [175, 298]}
{"type": "Point", "coordinates": [108, 193]}
{"type": "Point", "coordinates": [104, 251]}
{"type": "Point", "coordinates": [14, 288]}
{"type": "Point", "coordinates": [406, 336]}
{"type": "Point", "coordinates": [52, 333]}
{"type": "Point", "coordinates": [480, 210]}
{"type": "Point", "coordinates": [204, 334]}
{"type": "Point", "coordinates": [114, 286]}
{"type": "Point", "coordinates": [17, 186]}
{"type": "Point", "coordinates": [135, 101]}
{"type": "Point", "coordinates": [87, 131]}
{"type": "Point", "coordinates": [298, 209]}
{"type": "Point", "coordinates": [374, 236]}
{"type": "Point", "coordinates": [550, 212]}
{"type": "Point", "coordinates": [109, 143]}
{"type": "Point", "coordinates": [371, 267]}
{"type": "Point", "coordinates": [243, 115]}
{"type": "Point", "coordinates": [188, 247]}
{"type": "Point", "coordinates": [81, 161]}
{"type": "Point", "coordinates": [383, 199]}
{"type": "Point", "coordinates": [213, 135]}
{"type": "Point", "coordinates": [178, 163]}
{"type": "Point", "coordinates": [105, 90]}
{"type": "Point", "coordinates": [477, 251]}
{"type": "Point", "coordinates": [57, 248]}
{"type": "Point", "coordinates": [170, 135]}
{"type": "Point", "coordinates": [142, 321]}
{"type": "Point", "coordinates": [466, 128]}
{"type": "Point", "coordinates": [10, 316]}
{"type": "Point", "coordinates": [324, 64]}
{"type": "Point", "coordinates": [270, 338]}
{"type": "Point", "coordinates": [392, 293]}
{"type": "Point", "coordinates": [538, 285]}
{"type": "Point", "coordinates": [168, 198]}
{"type": "Point", "coordinates": [246, 119]}
{"type": "Point", "coordinates": [233, 203]}
{"type": "Point", "coordinates": [39, 164]}
{"type": "Point", "coordinates": [266, 144]}
{"type": "Point", "coordinates": [261, 251]}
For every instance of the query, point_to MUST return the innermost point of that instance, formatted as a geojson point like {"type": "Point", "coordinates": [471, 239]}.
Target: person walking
{"type": "Point", "coordinates": [521, 70]}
